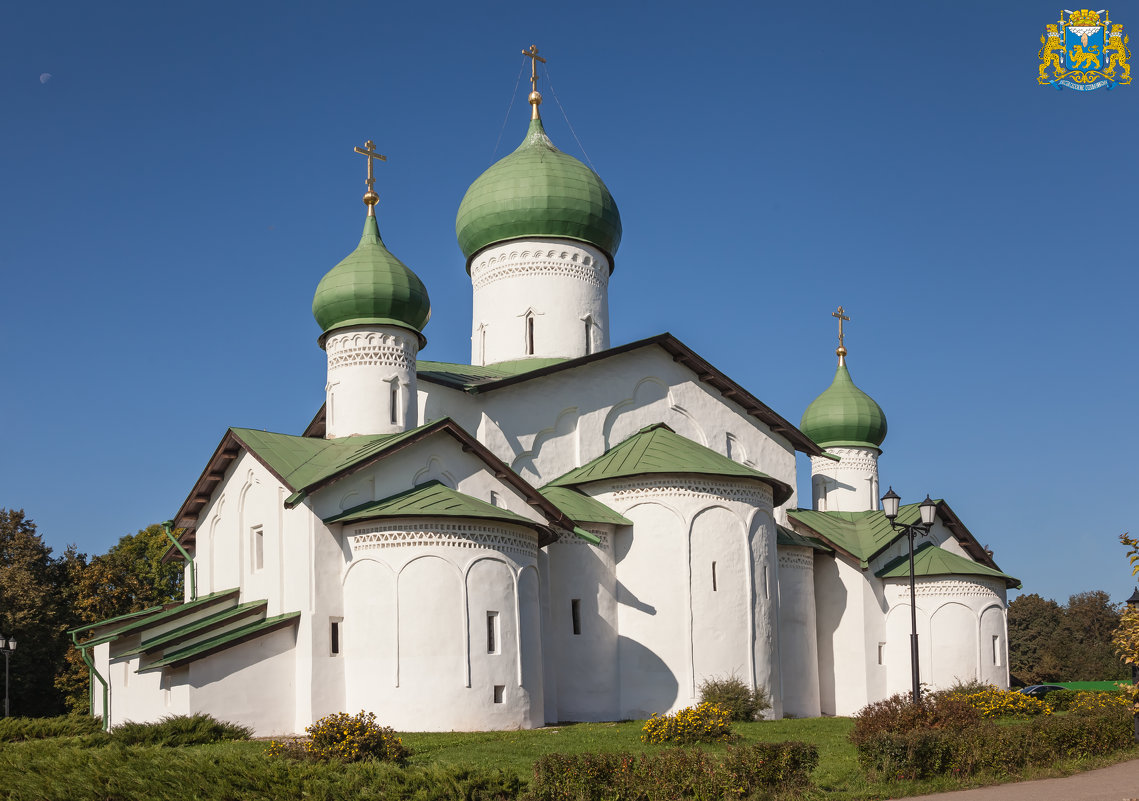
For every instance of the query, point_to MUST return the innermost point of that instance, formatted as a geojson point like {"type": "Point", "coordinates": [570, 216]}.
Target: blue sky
{"type": "Point", "coordinates": [173, 193]}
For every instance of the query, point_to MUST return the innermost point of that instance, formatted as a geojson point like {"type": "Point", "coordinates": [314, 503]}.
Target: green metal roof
{"type": "Point", "coordinates": [844, 415]}
{"type": "Point", "coordinates": [199, 627]}
{"type": "Point", "coordinates": [128, 616]}
{"type": "Point", "coordinates": [301, 462]}
{"type": "Point", "coordinates": [785, 536]}
{"type": "Point", "coordinates": [930, 560]}
{"type": "Point", "coordinates": [468, 376]}
{"type": "Point", "coordinates": [582, 508]}
{"type": "Point", "coordinates": [370, 286]}
{"type": "Point", "coordinates": [538, 191]}
{"type": "Point", "coordinates": [222, 641]}
{"type": "Point", "coordinates": [433, 499]}
{"type": "Point", "coordinates": [658, 449]}
{"type": "Point", "coordinates": [165, 615]}
{"type": "Point", "coordinates": [862, 534]}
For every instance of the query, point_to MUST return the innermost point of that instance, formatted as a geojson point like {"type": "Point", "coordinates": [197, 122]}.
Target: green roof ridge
{"type": "Point", "coordinates": [657, 449]}
{"type": "Point", "coordinates": [222, 641]}
{"type": "Point", "coordinates": [932, 560]}
{"type": "Point", "coordinates": [370, 286]}
{"type": "Point", "coordinates": [862, 534]}
{"type": "Point", "coordinates": [433, 499]}
{"type": "Point", "coordinates": [195, 627]}
{"type": "Point", "coordinates": [538, 191]}
{"type": "Point", "coordinates": [581, 508]}
{"type": "Point", "coordinates": [844, 416]}
{"type": "Point", "coordinates": [164, 615]}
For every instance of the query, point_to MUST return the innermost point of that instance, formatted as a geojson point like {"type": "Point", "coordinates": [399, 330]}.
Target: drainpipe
{"type": "Point", "coordinates": [167, 526]}
{"type": "Point", "coordinates": [91, 671]}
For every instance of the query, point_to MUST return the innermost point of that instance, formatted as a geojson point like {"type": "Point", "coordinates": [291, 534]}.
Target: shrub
{"type": "Point", "coordinates": [993, 702]}
{"type": "Point", "coordinates": [1089, 703]}
{"type": "Point", "coordinates": [1060, 700]}
{"type": "Point", "coordinates": [348, 738]}
{"type": "Point", "coordinates": [742, 701]}
{"type": "Point", "coordinates": [899, 713]}
{"type": "Point", "coordinates": [990, 748]}
{"type": "Point", "coordinates": [750, 771]}
{"type": "Point", "coordinates": [13, 730]}
{"type": "Point", "coordinates": [175, 730]}
{"type": "Point", "coordinates": [706, 723]}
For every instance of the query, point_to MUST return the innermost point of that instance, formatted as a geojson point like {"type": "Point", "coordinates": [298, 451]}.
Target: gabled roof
{"type": "Point", "coordinates": [785, 536]}
{"type": "Point", "coordinates": [198, 628]}
{"type": "Point", "coordinates": [163, 614]}
{"type": "Point", "coordinates": [583, 508]}
{"type": "Point", "coordinates": [433, 499]}
{"type": "Point", "coordinates": [474, 380]}
{"type": "Point", "coordinates": [930, 560]}
{"type": "Point", "coordinates": [305, 464]}
{"type": "Point", "coordinates": [658, 449]}
{"type": "Point", "coordinates": [865, 535]}
{"type": "Point", "coordinates": [222, 641]}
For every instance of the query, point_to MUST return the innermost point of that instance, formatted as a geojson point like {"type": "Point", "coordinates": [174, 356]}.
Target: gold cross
{"type": "Point", "coordinates": [532, 53]}
{"type": "Point", "coordinates": [535, 97]}
{"type": "Point", "coordinates": [369, 150]}
{"type": "Point", "coordinates": [842, 316]}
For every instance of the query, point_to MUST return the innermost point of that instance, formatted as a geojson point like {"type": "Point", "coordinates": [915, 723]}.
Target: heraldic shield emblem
{"type": "Point", "coordinates": [1085, 51]}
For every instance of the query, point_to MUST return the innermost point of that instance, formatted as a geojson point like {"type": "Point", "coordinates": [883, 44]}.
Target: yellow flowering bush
{"type": "Point", "coordinates": [992, 702]}
{"type": "Point", "coordinates": [705, 723]}
{"type": "Point", "coordinates": [1093, 702]}
{"type": "Point", "coordinates": [348, 738]}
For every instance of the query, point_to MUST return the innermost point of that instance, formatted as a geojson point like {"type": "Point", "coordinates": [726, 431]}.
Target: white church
{"type": "Point", "coordinates": [562, 530]}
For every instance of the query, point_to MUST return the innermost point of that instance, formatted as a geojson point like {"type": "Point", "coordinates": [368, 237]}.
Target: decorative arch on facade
{"type": "Point", "coordinates": [623, 419]}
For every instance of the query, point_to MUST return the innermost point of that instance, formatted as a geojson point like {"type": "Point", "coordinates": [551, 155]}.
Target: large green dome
{"type": "Point", "coordinates": [538, 191]}
{"type": "Point", "coordinates": [844, 415]}
{"type": "Point", "coordinates": [371, 287]}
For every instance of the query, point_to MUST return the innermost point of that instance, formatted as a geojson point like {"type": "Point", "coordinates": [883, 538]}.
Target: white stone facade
{"type": "Point", "coordinates": [371, 386]}
{"type": "Point", "coordinates": [539, 298]}
{"type": "Point", "coordinates": [847, 483]}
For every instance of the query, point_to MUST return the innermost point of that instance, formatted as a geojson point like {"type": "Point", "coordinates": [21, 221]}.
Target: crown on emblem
{"type": "Point", "coordinates": [1083, 17]}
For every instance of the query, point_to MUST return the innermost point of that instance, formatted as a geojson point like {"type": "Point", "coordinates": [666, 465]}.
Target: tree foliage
{"type": "Point", "coordinates": [1126, 636]}
{"type": "Point", "coordinates": [1049, 642]}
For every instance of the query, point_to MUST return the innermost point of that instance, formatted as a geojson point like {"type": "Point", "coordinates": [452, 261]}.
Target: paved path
{"type": "Point", "coordinates": [1117, 783]}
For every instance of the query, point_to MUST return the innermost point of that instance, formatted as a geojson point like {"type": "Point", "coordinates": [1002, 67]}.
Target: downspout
{"type": "Point", "coordinates": [167, 526]}
{"type": "Point", "coordinates": [91, 671]}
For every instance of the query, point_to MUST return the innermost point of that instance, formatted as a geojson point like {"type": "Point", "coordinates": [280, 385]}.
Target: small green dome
{"type": "Point", "coordinates": [844, 415]}
{"type": "Point", "coordinates": [538, 191]}
{"type": "Point", "coordinates": [371, 287]}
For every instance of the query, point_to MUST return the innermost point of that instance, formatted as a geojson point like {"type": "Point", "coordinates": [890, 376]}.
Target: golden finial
{"type": "Point", "coordinates": [841, 350]}
{"type": "Point", "coordinates": [370, 197]}
{"type": "Point", "coordinates": [535, 97]}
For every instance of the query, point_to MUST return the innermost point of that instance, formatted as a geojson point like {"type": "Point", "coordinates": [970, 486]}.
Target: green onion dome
{"type": "Point", "coordinates": [371, 287]}
{"type": "Point", "coordinates": [844, 416]}
{"type": "Point", "coordinates": [538, 191]}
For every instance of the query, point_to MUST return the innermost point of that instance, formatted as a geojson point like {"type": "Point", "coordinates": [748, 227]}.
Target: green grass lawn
{"type": "Point", "coordinates": [76, 769]}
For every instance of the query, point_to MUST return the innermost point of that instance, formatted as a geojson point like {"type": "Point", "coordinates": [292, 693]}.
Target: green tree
{"type": "Point", "coordinates": [1032, 643]}
{"type": "Point", "coordinates": [33, 611]}
{"type": "Point", "coordinates": [1085, 638]}
{"type": "Point", "coordinates": [128, 578]}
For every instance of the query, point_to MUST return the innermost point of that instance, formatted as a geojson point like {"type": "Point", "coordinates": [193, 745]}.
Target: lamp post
{"type": "Point", "coordinates": [7, 646]}
{"type": "Point", "coordinates": [1132, 602]}
{"type": "Point", "coordinates": [928, 510]}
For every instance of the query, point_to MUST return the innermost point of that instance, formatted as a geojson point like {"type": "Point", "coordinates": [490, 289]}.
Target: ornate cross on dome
{"type": "Point", "coordinates": [370, 197]}
{"type": "Point", "coordinates": [841, 315]}
{"type": "Point", "coordinates": [535, 97]}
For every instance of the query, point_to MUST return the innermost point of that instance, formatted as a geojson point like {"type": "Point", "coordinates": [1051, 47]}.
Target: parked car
{"type": "Point", "coordinates": [1040, 690]}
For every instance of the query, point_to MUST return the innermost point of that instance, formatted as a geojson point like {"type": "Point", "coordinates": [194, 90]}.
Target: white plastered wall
{"type": "Point", "coordinates": [847, 485]}
{"type": "Point", "coordinates": [681, 619]}
{"type": "Point", "coordinates": [799, 653]}
{"type": "Point", "coordinates": [371, 386]}
{"type": "Point", "coordinates": [539, 298]}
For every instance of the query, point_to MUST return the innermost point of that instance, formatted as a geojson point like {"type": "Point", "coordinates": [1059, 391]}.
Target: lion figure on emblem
{"type": "Point", "coordinates": [1050, 53]}
{"type": "Point", "coordinates": [1078, 58]}
{"type": "Point", "coordinates": [1116, 49]}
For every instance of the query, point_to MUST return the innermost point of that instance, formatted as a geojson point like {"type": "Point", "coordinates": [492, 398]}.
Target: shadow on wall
{"type": "Point", "coordinates": [632, 601]}
{"type": "Point", "coordinates": [829, 607]}
{"type": "Point", "coordinates": [648, 685]}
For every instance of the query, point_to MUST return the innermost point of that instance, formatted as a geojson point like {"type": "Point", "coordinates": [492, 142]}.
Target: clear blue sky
{"type": "Point", "coordinates": [172, 194]}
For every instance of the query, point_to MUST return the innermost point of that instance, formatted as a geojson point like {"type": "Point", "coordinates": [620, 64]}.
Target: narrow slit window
{"type": "Point", "coordinates": [257, 546]}
{"type": "Point", "coordinates": [881, 653]}
{"type": "Point", "coordinates": [996, 650]}
{"type": "Point", "coordinates": [588, 335]}
{"type": "Point", "coordinates": [334, 637]}
{"type": "Point", "coordinates": [714, 588]}
{"type": "Point", "coordinates": [395, 402]}
{"type": "Point", "coordinates": [492, 632]}
{"type": "Point", "coordinates": [482, 345]}
{"type": "Point", "coordinates": [499, 689]}
{"type": "Point", "coordinates": [529, 335]}
{"type": "Point", "coordinates": [575, 614]}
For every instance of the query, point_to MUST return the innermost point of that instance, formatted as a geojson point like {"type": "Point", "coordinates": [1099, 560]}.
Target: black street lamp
{"type": "Point", "coordinates": [928, 510]}
{"type": "Point", "coordinates": [7, 646]}
{"type": "Point", "coordinates": [1132, 602]}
